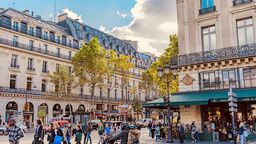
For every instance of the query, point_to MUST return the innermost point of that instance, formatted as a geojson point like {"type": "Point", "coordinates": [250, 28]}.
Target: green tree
{"type": "Point", "coordinates": [90, 65]}
{"type": "Point", "coordinates": [64, 81]}
{"type": "Point", "coordinates": [136, 105]}
{"type": "Point", "coordinates": [151, 83]}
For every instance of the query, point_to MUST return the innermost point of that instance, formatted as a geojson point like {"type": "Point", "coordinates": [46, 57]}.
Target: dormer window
{"type": "Point", "coordinates": [16, 26]}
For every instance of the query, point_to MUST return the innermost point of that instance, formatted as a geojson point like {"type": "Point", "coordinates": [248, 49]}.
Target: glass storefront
{"type": "Point", "coordinates": [228, 78]}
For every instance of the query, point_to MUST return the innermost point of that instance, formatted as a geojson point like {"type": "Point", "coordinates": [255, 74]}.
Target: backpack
{"type": "Point", "coordinates": [78, 137]}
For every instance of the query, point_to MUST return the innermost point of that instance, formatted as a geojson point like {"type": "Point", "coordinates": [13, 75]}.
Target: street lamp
{"type": "Point", "coordinates": [167, 71]}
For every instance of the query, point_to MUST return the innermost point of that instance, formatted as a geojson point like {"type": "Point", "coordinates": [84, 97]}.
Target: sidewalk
{"type": "Point", "coordinates": [176, 141]}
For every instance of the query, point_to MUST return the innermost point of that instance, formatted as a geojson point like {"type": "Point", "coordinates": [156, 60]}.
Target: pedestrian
{"type": "Point", "coordinates": [84, 131]}
{"type": "Point", "coordinates": [153, 128]}
{"type": "Point", "coordinates": [51, 134]}
{"type": "Point", "coordinates": [157, 132]}
{"type": "Point", "coordinates": [100, 130]}
{"type": "Point", "coordinates": [193, 131]}
{"type": "Point", "coordinates": [181, 133]}
{"type": "Point", "coordinates": [88, 136]}
{"type": "Point", "coordinates": [241, 133]}
{"type": "Point", "coordinates": [59, 136]}
{"type": "Point", "coordinates": [123, 135]}
{"type": "Point", "coordinates": [39, 133]}
{"type": "Point", "coordinates": [149, 129]}
{"type": "Point", "coordinates": [67, 133]}
{"type": "Point", "coordinates": [107, 132]}
{"type": "Point", "coordinates": [15, 132]}
{"type": "Point", "coordinates": [133, 136]}
{"type": "Point", "coordinates": [78, 135]}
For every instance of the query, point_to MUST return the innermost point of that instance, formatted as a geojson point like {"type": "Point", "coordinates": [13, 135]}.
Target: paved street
{"type": "Point", "coordinates": [144, 139]}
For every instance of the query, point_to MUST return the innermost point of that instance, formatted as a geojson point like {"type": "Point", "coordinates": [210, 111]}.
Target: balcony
{"type": "Point", "coordinates": [20, 91]}
{"type": "Point", "coordinates": [248, 50]}
{"type": "Point", "coordinates": [34, 34]}
{"type": "Point", "coordinates": [35, 49]}
{"type": "Point", "coordinates": [207, 10]}
{"type": "Point", "coordinates": [241, 2]}
{"type": "Point", "coordinates": [30, 68]}
{"type": "Point", "coordinates": [45, 71]}
{"type": "Point", "coordinates": [15, 66]}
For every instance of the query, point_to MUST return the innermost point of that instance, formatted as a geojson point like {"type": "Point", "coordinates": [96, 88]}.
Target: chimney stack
{"type": "Point", "coordinates": [26, 12]}
{"type": "Point", "coordinates": [62, 17]}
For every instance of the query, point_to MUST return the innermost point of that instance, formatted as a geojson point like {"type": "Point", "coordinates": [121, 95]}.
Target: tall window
{"type": "Point", "coordinates": [81, 90]}
{"type": "Point", "coordinates": [31, 30]}
{"type": "Point", "coordinates": [207, 3]}
{"type": "Point", "coordinates": [209, 38]}
{"type": "Point", "coordinates": [45, 67]}
{"type": "Point", "coordinates": [31, 44]}
{"type": "Point", "coordinates": [58, 52]}
{"type": "Point", "coordinates": [15, 41]}
{"type": "Point", "coordinates": [44, 83]}
{"type": "Point", "coordinates": [30, 64]}
{"type": "Point", "coordinates": [14, 60]}
{"type": "Point", "coordinates": [29, 83]}
{"type": "Point", "coordinates": [45, 48]}
{"type": "Point", "coordinates": [108, 92]}
{"type": "Point", "coordinates": [122, 94]}
{"type": "Point", "coordinates": [16, 26]}
{"type": "Point", "coordinates": [24, 28]}
{"type": "Point", "coordinates": [245, 31]}
{"type": "Point", "coordinates": [115, 93]}
{"type": "Point", "coordinates": [101, 92]}
{"type": "Point", "coordinates": [70, 55]}
{"type": "Point", "coordinates": [45, 35]}
{"type": "Point", "coordinates": [13, 81]}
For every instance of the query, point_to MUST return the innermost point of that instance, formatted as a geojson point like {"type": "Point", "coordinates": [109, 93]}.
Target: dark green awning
{"type": "Point", "coordinates": [204, 97]}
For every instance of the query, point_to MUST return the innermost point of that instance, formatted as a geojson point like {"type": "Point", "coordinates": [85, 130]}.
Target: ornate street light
{"type": "Point", "coordinates": [167, 71]}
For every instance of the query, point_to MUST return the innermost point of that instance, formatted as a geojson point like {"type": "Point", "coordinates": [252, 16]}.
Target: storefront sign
{"type": "Point", "coordinates": [232, 109]}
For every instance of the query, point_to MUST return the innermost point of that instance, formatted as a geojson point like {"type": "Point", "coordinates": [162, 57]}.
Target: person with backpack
{"type": "Point", "coordinates": [51, 135]}
{"type": "Point", "coordinates": [100, 130]}
{"type": "Point", "coordinates": [39, 133]}
{"type": "Point", "coordinates": [78, 134]}
{"type": "Point", "coordinates": [59, 136]}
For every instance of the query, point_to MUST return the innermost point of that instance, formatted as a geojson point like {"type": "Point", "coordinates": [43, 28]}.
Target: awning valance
{"type": "Point", "coordinates": [204, 97]}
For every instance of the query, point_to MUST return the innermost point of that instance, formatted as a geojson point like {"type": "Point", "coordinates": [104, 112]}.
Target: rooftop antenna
{"type": "Point", "coordinates": [54, 17]}
{"type": "Point", "coordinates": [13, 4]}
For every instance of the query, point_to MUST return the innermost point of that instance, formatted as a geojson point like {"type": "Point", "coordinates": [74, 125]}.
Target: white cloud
{"type": "Point", "coordinates": [73, 15]}
{"type": "Point", "coordinates": [123, 15]}
{"type": "Point", "coordinates": [153, 22]}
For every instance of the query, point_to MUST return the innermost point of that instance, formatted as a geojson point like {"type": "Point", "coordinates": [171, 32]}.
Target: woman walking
{"type": "Point", "coordinates": [39, 133]}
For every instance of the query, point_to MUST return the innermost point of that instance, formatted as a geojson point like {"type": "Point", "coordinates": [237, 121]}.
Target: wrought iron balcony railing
{"type": "Point", "coordinates": [35, 34]}
{"type": "Point", "coordinates": [248, 50]}
{"type": "Point", "coordinates": [241, 2]}
{"type": "Point", "coordinates": [21, 91]}
{"type": "Point", "coordinates": [207, 10]}
{"type": "Point", "coordinates": [34, 49]}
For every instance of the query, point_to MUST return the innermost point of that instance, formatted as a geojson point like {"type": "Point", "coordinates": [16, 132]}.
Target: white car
{"type": "Point", "coordinates": [3, 130]}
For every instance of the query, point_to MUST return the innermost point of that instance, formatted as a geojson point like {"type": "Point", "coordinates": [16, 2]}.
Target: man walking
{"type": "Point", "coordinates": [15, 132]}
{"type": "Point", "coordinates": [100, 132]}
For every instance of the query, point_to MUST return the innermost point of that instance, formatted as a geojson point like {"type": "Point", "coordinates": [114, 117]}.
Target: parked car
{"type": "Point", "coordinates": [23, 127]}
{"type": "Point", "coordinates": [95, 123]}
{"type": "Point", "coordinates": [143, 122]}
{"type": "Point", "coordinates": [3, 130]}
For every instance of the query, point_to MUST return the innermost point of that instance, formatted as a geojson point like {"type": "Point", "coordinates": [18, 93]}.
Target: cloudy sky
{"type": "Point", "coordinates": [150, 22]}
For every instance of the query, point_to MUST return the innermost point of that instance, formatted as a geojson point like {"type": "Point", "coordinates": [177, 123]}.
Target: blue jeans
{"type": "Point", "coordinates": [88, 137]}
{"type": "Point", "coordinates": [68, 139]}
{"type": "Point", "coordinates": [157, 137]}
{"type": "Point", "coordinates": [242, 141]}
{"type": "Point", "coordinates": [149, 130]}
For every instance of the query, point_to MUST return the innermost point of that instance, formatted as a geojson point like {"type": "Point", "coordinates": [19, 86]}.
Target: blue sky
{"type": "Point", "coordinates": [93, 12]}
{"type": "Point", "coordinates": [150, 22]}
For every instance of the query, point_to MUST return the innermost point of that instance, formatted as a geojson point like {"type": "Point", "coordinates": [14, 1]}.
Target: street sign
{"type": "Point", "coordinates": [232, 104]}
{"type": "Point", "coordinates": [232, 109]}
{"type": "Point", "coordinates": [232, 99]}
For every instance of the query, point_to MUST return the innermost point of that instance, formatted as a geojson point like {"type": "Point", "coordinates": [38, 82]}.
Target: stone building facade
{"type": "Point", "coordinates": [31, 48]}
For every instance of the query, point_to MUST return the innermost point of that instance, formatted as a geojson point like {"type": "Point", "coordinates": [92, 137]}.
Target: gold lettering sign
{"type": "Point", "coordinates": [187, 80]}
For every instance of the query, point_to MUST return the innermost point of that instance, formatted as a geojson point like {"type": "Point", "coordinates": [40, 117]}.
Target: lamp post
{"type": "Point", "coordinates": [167, 71]}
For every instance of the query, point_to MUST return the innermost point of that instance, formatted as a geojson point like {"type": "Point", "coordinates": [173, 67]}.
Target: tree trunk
{"type": "Point", "coordinates": [92, 95]}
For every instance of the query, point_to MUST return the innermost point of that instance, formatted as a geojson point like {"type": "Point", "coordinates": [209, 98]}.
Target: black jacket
{"type": "Point", "coordinates": [123, 136]}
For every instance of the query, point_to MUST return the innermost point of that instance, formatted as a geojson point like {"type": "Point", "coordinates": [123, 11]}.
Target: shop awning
{"type": "Point", "coordinates": [204, 97]}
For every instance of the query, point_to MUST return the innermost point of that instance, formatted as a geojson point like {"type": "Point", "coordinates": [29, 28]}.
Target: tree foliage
{"type": "Point", "coordinates": [90, 65]}
{"type": "Point", "coordinates": [151, 83]}
{"type": "Point", "coordinates": [63, 80]}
